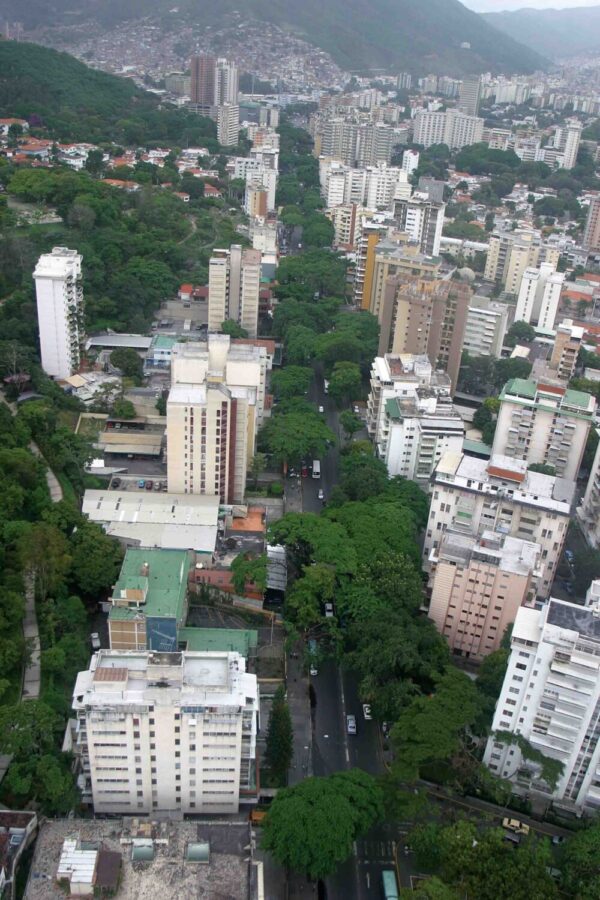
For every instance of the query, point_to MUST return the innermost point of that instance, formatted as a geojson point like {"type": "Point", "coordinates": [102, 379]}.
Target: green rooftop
{"type": "Point", "coordinates": [166, 583]}
{"type": "Point", "coordinates": [577, 398]}
{"type": "Point", "coordinates": [219, 640]}
{"type": "Point", "coordinates": [521, 387]}
{"type": "Point", "coordinates": [392, 409]}
{"type": "Point", "coordinates": [477, 447]}
{"type": "Point", "coordinates": [164, 341]}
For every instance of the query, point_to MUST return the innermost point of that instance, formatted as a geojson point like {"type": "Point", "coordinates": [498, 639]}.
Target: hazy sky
{"type": "Point", "coordinates": [497, 5]}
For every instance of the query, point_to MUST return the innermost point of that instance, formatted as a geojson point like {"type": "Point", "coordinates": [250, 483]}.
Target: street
{"type": "Point", "coordinates": [324, 746]}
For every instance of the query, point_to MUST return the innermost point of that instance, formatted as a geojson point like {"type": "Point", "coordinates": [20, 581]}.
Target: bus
{"type": "Point", "coordinates": [316, 473]}
{"type": "Point", "coordinates": [390, 885]}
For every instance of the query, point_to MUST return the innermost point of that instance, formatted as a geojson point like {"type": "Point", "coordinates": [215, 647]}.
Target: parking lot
{"type": "Point", "coordinates": [128, 483]}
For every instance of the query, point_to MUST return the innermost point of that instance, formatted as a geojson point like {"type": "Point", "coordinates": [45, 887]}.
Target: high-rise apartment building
{"type": "Point", "coordinates": [227, 117]}
{"type": "Point", "coordinates": [480, 582]}
{"type": "Point", "coordinates": [234, 288]}
{"type": "Point", "coordinates": [370, 229]}
{"type": "Point", "coordinates": [169, 733]}
{"type": "Point", "coordinates": [567, 344]}
{"type": "Point", "coordinates": [214, 82]}
{"type": "Point", "coordinates": [485, 328]}
{"type": "Point", "coordinates": [469, 95]}
{"type": "Point", "coordinates": [202, 84]}
{"type": "Point", "coordinates": [423, 219]}
{"type": "Point", "coordinates": [214, 409]}
{"type": "Point", "coordinates": [588, 513]}
{"type": "Point", "coordinates": [500, 494]}
{"type": "Point", "coordinates": [545, 424]}
{"type": "Point", "coordinates": [354, 143]}
{"type": "Point", "coordinates": [539, 296]}
{"type": "Point", "coordinates": [451, 127]}
{"type": "Point", "coordinates": [510, 253]}
{"type": "Point", "coordinates": [59, 296]}
{"type": "Point", "coordinates": [374, 187]}
{"type": "Point", "coordinates": [570, 143]}
{"type": "Point", "coordinates": [410, 161]}
{"type": "Point", "coordinates": [591, 235]}
{"type": "Point", "coordinates": [551, 698]}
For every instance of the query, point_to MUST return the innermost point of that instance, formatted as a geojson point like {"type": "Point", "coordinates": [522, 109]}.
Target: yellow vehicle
{"type": "Point", "coordinates": [516, 826]}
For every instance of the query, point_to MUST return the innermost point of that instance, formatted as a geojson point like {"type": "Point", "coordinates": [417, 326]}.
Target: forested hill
{"type": "Point", "coordinates": [416, 35]}
{"type": "Point", "coordinates": [78, 103]}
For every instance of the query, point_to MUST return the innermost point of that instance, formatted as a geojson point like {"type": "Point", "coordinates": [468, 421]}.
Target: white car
{"type": "Point", "coordinates": [313, 670]}
{"type": "Point", "coordinates": [321, 494]}
{"type": "Point", "coordinates": [95, 639]}
{"type": "Point", "coordinates": [351, 724]}
{"type": "Point", "coordinates": [321, 409]}
{"type": "Point", "coordinates": [329, 610]}
{"type": "Point", "coordinates": [367, 712]}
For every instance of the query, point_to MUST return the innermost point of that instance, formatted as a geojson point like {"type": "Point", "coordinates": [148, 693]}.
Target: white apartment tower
{"type": "Point", "coordinates": [544, 423]}
{"type": "Point", "coordinates": [423, 220]}
{"type": "Point", "coordinates": [60, 310]}
{"type": "Point", "coordinates": [227, 117]}
{"type": "Point", "coordinates": [469, 94]}
{"type": "Point", "coordinates": [226, 83]}
{"type": "Point", "coordinates": [452, 127]}
{"type": "Point", "coordinates": [539, 296]}
{"type": "Point", "coordinates": [234, 288]}
{"type": "Point", "coordinates": [551, 698]}
{"type": "Point", "coordinates": [169, 733]}
{"type": "Point", "coordinates": [214, 409]}
{"type": "Point", "coordinates": [572, 139]}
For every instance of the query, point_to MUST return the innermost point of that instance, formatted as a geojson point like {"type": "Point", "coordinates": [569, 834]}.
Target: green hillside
{"type": "Point", "coordinates": [554, 32]}
{"type": "Point", "coordinates": [423, 36]}
{"type": "Point", "coordinates": [79, 103]}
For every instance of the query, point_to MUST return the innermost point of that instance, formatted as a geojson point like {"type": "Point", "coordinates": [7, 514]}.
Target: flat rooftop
{"type": "Point", "coordinates": [238, 640]}
{"type": "Point", "coordinates": [572, 617]}
{"type": "Point", "coordinates": [228, 874]}
{"type": "Point", "coordinates": [165, 582]}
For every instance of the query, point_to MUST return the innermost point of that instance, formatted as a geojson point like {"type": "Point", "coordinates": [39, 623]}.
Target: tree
{"type": "Point", "coordinates": [257, 467]}
{"type": "Point", "coordinates": [279, 750]}
{"type": "Point", "coordinates": [45, 551]}
{"type": "Point", "coordinates": [123, 409]}
{"type": "Point", "coordinates": [247, 570]}
{"type": "Point", "coordinates": [128, 361]}
{"type": "Point", "coordinates": [431, 728]}
{"type": "Point", "coordinates": [362, 475]}
{"type": "Point", "coordinates": [350, 422]}
{"type": "Point", "coordinates": [294, 435]}
{"type": "Point", "coordinates": [310, 827]}
{"type": "Point", "coordinates": [96, 560]}
{"type": "Point", "coordinates": [345, 381]}
{"type": "Point", "coordinates": [304, 604]}
{"type": "Point", "coordinates": [542, 468]}
{"type": "Point", "coordinates": [587, 569]}
{"type": "Point", "coordinates": [291, 381]}
{"type": "Point", "coordinates": [580, 864]}
{"type": "Point", "coordinates": [519, 331]}
{"type": "Point", "coordinates": [95, 162]}
{"type": "Point", "coordinates": [505, 369]}
{"type": "Point", "coordinates": [233, 329]}
{"type": "Point", "coordinates": [485, 419]}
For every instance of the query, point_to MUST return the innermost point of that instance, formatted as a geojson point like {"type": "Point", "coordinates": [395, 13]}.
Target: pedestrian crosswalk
{"type": "Point", "coordinates": [375, 851]}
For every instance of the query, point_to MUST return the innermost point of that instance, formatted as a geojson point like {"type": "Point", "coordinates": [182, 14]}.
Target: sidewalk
{"type": "Point", "coordinates": [56, 492]}
{"type": "Point", "coordinates": [298, 698]}
{"type": "Point", "coordinates": [32, 675]}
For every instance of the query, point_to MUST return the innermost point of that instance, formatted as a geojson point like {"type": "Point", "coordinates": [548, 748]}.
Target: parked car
{"type": "Point", "coordinates": [516, 826]}
{"type": "Point", "coordinates": [141, 483]}
{"type": "Point", "coordinates": [356, 410]}
{"type": "Point", "coordinates": [321, 494]}
{"type": "Point", "coordinates": [367, 712]}
{"type": "Point", "coordinates": [304, 470]}
{"type": "Point", "coordinates": [570, 556]}
{"type": "Point", "coordinates": [351, 724]}
{"type": "Point", "coordinates": [95, 639]}
{"type": "Point", "coordinates": [149, 485]}
{"type": "Point", "coordinates": [329, 610]}
{"type": "Point", "coordinates": [116, 482]}
{"type": "Point", "coordinates": [313, 670]}
{"type": "Point", "coordinates": [321, 409]}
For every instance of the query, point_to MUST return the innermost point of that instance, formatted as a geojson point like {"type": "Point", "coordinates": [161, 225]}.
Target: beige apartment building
{"type": "Point", "coordinates": [474, 496]}
{"type": "Point", "coordinates": [591, 235]}
{"type": "Point", "coordinates": [478, 586]}
{"type": "Point", "coordinates": [215, 406]}
{"type": "Point", "coordinates": [510, 253]}
{"type": "Point", "coordinates": [234, 288]}
{"type": "Point", "coordinates": [425, 315]}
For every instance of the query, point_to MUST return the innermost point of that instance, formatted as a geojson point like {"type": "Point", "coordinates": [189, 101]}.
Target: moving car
{"type": "Point", "coordinates": [321, 409]}
{"type": "Point", "coordinates": [367, 712]}
{"type": "Point", "coordinates": [515, 825]}
{"type": "Point", "coordinates": [321, 494]}
{"type": "Point", "coordinates": [351, 724]}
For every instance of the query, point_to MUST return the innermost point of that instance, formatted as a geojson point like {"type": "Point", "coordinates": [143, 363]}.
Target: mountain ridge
{"type": "Point", "coordinates": [424, 36]}
{"type": "Point", "coordinates": [554, 33]}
